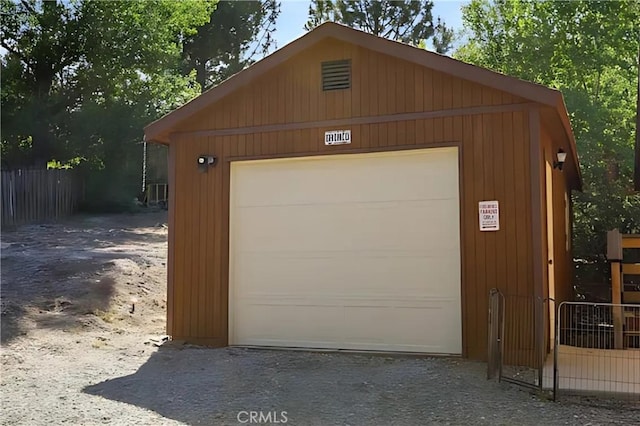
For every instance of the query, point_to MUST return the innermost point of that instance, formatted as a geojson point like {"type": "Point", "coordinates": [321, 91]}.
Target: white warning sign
{"type": "Point", "coordinates": [489, 213]}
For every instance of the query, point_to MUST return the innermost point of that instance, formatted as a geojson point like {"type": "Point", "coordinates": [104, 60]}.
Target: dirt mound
{"type": "Point", "coordinates": [92, 273]}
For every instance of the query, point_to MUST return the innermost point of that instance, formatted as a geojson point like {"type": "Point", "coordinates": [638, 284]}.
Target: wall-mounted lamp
{"type": "Point", "coordinates": [562, 157]}
{"type": "Point", "coordinates": [206, 161]}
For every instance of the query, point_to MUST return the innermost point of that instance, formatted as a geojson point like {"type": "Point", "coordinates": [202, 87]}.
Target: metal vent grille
{"type": "Point", "coordinates": [336, 75]}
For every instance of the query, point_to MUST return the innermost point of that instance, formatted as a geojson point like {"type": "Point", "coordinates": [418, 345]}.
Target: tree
{"type": "Point", "coordinates": [42, 42]}
{"type": "Point", "coordinates": [407, 21]}
{"type": "Point", "coordinates": [636, 175]}
{"type": "Point", "coordinates": [80, 79]}
{"type": "Point", "coordinates": [237, 31]}
{"type": "Point", "coordinates": [589, 51]}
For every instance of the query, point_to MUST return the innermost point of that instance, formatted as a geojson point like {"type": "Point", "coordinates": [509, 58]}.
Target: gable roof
{"type": "Point", "coordinates": [158, 131]}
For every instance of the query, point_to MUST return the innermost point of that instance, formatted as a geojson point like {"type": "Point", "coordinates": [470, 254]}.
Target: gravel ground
{"type": "Point", "coordinates": [213, 386]}
{"type": "Point", "coordinates": [75, 352]}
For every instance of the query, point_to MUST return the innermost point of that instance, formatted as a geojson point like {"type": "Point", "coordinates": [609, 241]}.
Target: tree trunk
{"type": "Point", "coordinates": [636, 175]}
{"type": "Point", "coordinates": [201, 75]}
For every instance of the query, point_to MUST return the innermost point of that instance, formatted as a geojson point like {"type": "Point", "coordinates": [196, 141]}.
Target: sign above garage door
{"type": "Point", "coordinates": [337, 137]}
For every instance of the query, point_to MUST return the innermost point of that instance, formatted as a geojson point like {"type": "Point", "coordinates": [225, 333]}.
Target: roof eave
{"type": "Point", "coordinates": [561, 109]}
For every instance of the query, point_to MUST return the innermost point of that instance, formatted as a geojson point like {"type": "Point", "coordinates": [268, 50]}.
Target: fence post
{"type": "Point", "coordinates": [556, 347]}
{"type": "Point", "coordinates": [490, 338]}
{"type": "Point", "coordinates": [495, 342]}
{"type": "Point", "coordinates": [501, 315]}
{"type": "Point", "coordinates": [545, 340]}
{"type": "Point", "coordinates": [614, 255]}
{"type": "Point", "coordinates": [616, 299]}
{"type": "Point", "coordinates": [493, 335]}
{"type": "Point", "coordinates": [539, 339]}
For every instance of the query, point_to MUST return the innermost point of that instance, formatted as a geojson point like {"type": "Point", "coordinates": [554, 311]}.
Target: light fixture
{"type": "Point", "coordinates": [204, 161]}
{"type": "Point", "coordinates": [562, 156]}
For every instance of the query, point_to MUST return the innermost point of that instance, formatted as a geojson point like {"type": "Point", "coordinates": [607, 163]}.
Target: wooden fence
{"type": "Point", "coordinates": [30, 196]}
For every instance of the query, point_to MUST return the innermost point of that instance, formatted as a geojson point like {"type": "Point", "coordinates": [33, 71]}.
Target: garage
{"type": "Point", "coordinates": [349, 192]}
{"type": "Point", "coordinates": [358, 251]}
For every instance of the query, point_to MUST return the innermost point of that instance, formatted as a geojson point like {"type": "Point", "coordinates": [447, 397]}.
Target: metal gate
{"type": "Point", "coordinates": [518, 339]}
{"type": "Point", "coordinates": [496, 327]}
{"type": "Point", "coordinates": [597, 350]}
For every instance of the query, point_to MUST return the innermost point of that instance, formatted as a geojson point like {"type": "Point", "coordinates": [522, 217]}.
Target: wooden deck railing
{"type": "Point", "coordinates": [616, 244]}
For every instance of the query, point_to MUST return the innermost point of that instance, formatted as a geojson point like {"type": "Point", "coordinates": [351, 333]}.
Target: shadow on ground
{"type": "Point", "coordinates": [200, 386]}
{"type": "Point", "coordinates": [10, 326]}
{"type": "Point", "coordinates": [213, 386]}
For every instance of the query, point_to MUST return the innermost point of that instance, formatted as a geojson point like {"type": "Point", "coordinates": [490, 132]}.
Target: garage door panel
{"type": "Point", "coordinates": [298, 323]}
{"type": "Point", "coordinates": [347, 251]}
{"type": "Point", "coordinates": [327, 323]}
{"type": "Point", "coordinates": [355, 179]}
{"type": "Point", "coordinates": [412, 276]}
{"type": "Point", "coordinates": [348, 227]}
{"type": "Point", "coordinates": [403, 327]}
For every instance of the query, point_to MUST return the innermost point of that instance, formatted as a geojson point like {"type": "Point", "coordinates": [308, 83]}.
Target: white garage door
{"type": "Point", "coordinates": [357, 251]}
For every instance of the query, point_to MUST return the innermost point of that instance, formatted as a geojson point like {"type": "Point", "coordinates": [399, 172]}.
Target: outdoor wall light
{"type": "Point", "coordinates": [562, 157]}
{"type": "Point", "coordinates": [205, 161]}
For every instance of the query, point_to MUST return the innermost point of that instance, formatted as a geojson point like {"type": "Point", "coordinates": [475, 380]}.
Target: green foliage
{"type": "Point", "coordinates": [409, 21]}
{"type": "Point", "coordinates": [589, 51]}
{"type": "Point", "coordinates": [237, 31]}
{"type": "Point", "coordinates": [321, 11]}
{"type": "Point", "coordinates": [443, 37]}
{"type": "Point", "coordinates": [70, 164]}
{"type": "Point", "coordinates": [80, 79]}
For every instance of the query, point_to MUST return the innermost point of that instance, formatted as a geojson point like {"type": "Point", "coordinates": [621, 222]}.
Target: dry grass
{"type": "Point", "coordinates": [107, 316]}
{"type": "Point", "coordinates": [100, 342]}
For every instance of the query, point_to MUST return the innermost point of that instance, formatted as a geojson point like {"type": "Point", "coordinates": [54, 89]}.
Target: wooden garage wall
{"type": "Point", "coordinates": [563, 260]}
{"type": "Point", "coordinates": [494, 165]}
{"type": "Point", "coordinates": [290, 93]}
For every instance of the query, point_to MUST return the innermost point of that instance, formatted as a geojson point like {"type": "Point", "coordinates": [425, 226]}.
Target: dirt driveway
{"type": "Point", "coordinates": [83, 305]}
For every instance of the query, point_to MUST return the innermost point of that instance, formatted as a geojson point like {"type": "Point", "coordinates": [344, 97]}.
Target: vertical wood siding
{"type": "Point", "coordinates": [563, 259]}
{"type": "Point", "coordinates": [291, 92]}
{"type": "Point", "coordinates": [494, 149]}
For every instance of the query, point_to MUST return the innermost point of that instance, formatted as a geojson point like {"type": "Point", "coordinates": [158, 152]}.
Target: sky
{"type": "Point", "coordinates": [294, 14]}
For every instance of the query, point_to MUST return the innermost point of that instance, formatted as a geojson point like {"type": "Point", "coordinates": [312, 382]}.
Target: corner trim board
{"type": "Point", "coordinates": [537, 213]}
{"type": "Point", "coordinates": [171, 246]}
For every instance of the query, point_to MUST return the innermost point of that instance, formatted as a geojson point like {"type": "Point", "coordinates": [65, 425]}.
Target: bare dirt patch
{"type": "Point", "coordinates": [92, 270]}
{"type": "Point", "coordinates": [80, 299]}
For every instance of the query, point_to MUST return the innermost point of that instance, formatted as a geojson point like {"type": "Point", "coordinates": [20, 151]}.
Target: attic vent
{"type": "Point", "coordinates": [336, 75]}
